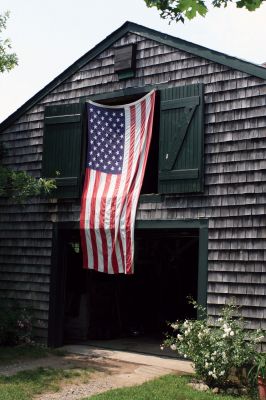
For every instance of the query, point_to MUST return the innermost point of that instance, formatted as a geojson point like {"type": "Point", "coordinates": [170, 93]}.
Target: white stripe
{"type": "Point", "coordinates": [87, 219]}
{"type": "Point", "coordinates": [98, 212]}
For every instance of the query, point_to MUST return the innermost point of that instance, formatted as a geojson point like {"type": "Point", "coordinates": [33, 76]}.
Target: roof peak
{"type": "Point", "coordinates": [128, 26]}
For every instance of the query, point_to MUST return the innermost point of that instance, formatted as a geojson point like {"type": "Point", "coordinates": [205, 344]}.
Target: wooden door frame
{"type": "Point", "coordinates": [58, 267]}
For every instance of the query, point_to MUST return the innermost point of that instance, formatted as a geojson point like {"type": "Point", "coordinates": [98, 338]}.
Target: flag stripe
{"type": "Point", "coordinates": [118, 140]}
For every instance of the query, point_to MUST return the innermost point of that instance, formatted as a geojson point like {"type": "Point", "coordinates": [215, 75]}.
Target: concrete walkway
{"type": "Point", "coordinates": [164, 364]}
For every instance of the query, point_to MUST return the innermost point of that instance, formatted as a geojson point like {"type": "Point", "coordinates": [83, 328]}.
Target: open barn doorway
{"type": "Point", "coordinates": [129, 312]}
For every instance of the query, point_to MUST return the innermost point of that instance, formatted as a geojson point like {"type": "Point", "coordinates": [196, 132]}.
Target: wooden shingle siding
{"type": "Point", "coordinates": [234, 198]}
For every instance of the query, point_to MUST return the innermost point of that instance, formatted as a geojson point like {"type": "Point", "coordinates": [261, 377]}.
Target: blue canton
{"type": "Point", "coordinates": [106, 139]}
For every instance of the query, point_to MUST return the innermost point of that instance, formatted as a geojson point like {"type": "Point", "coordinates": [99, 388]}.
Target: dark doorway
{"type": "Point", "coordinates": [98, 306]}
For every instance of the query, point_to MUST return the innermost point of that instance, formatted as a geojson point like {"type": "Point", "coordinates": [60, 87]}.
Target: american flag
{"type": "Point", "coordinates": [118, 144]}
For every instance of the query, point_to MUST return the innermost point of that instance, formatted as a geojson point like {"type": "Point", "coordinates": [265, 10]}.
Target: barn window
{"type": "Point", "coordinates": [175, 162]}
{"type": "Point", "coordinates": [63, 151]}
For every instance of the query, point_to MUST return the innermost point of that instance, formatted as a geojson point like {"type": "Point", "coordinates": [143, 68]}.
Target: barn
{"type": "Point", "coordinates": [200, 227]}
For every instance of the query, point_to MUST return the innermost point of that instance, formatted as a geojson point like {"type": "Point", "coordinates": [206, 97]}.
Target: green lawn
{"type": "Point", "coordinates": [170, 387]}
{"type": "Point", "coordinates": [9, 355]}
{"type": "Point", "coordinates": [27, 384]}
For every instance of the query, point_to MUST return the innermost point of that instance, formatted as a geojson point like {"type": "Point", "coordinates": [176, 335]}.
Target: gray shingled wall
{"type": "Point", "coordinates": [235, 180]}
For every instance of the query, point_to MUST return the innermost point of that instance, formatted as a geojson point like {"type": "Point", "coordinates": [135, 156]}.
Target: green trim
{"type": "Point", "coordinates": [203, 266]}
{"type": "Point", "coordinates": [171, 223]}
{"type": "Point", "coordinates": [125, 74]}
{"type": "Point", "coordinates": [179, 174]}
{"type": "Point", "coordinates": [200, 51]}
{"type": "Point", "coordinates": [62, 119]}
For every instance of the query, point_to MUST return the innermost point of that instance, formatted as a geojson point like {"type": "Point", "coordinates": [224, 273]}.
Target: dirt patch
{"type": "Point", "coordinates": [108, 374]}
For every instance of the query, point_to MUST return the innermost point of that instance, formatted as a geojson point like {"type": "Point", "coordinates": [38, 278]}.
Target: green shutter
{"type": "Point", "coordinates": [62, 148]}
{"type": "Point", "coordinates": [181, 139]}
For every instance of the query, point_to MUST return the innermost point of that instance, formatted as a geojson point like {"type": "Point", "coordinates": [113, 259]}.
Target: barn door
{"type": "Point", "coordinates": [181, 140]}
{"type": "Point", "coordinates": [62, 148]}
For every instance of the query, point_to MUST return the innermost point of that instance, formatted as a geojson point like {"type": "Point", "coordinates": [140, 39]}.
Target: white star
{"type": "Point", "coordinates": [94, 148]}
{"type": "Point", "coordinates": [97, 165]}
{"type": "Point", "coordinates": [117, 119]}
{"type": "Point", "coordinates": [109, 151]}
{"type": "Point", "coordinates": [109, 162]}
{"type": "Point", "coordinates": [120, 158]}
{"type": "Point", "coordinates": [90, 163]}
{"type": "Point", "coordinates": [121, 114]}
{"type": "Point", "coordinates": [102, 150]}
{"type": "Point", "coordinates": [91, 109]}
{"type": "Point", "coordinates": [106, 124]}
{"type": "Point", "coordinates": [101, 160]}
{"type": "Point", "coordinates": [121, 147]}
{"type": "Point", "coordinates": [116, 163]}
{"type": "Point", "coordinates": [113, 114]}
{"type": "Point", "coordinates": [102, 139]}
{"type": "Point", "coordinates": [112, 168]}
{"type": "Point", "coordinates": [94, 159]}
{"type": "Point", "coordinates": [95, 127]}
{"type": "Point", "coordinates": [121, 125]}
{"type": "Point", "coordinates": [105, 156]}
{"type": "Point", "coordinates": [91, 120]}
{"type": "Point", "coordinates": [91, 142]}
{"type": "Point", "coordinates": [102, 118]}
{"type": "Point", "coordinates": [114, 146]}
{"type": "Point", "coordinates": [98, 112]}
{"type": "Point", "coordinates": [104, 167]}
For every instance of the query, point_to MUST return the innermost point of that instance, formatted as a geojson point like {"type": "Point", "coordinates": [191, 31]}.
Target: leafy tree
{"type": "Point", "coordinates": [16, 185]}
{"type": "Point", "coordinates": [7, 60]}
{"type": "Point", "coordinates": [179, 10]}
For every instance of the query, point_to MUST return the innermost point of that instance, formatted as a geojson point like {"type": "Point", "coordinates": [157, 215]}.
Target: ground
{"type": "Point", "coordinates": [107, 373]}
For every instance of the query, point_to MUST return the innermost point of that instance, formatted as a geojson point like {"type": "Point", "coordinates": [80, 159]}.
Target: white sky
{"type": "Point", "coordinates": [49, 35]}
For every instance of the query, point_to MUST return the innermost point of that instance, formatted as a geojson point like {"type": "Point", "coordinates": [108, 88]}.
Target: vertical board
{"type": "Point", "coordinates": [181, 140]}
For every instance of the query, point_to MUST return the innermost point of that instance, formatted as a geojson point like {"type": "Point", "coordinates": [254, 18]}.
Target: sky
{"type": "Point", "coordinates": [50, 35]}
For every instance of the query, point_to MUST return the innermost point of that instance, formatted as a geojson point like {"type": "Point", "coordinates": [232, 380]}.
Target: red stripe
{"type": "Point", "coordinates": [129, 260]}
{"type": "Point", "coordinates": [101, 222]}
{"type": "Point", "coordinates": [129, 168]}
{"type": "Point", "coordinates": [92, 221]}
{"type": "Point", "coordinates": [112, 224]}
{"type": "Point", "coordinates": [128, 266]}
{"type": "Point", "coordinates": [82, 220]}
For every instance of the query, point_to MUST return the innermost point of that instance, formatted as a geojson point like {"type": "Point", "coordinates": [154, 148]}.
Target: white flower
{"type": "Point", "coordinates": [222, 373]}
{"type": "Point", "coordinates": [174, 326]}
{"type": "Point", "coordinates": [199, 335]}
{"type": "Point", "coordinates": [173, 347]}
{"type": "Point", "coordinates": [232, 333]}
{"type": "Point", "coordinates": [161, 347]}
{"type": "Point", "coordinates": [185, 356]}
{"type": "Point", "coordinates": [180, 337]}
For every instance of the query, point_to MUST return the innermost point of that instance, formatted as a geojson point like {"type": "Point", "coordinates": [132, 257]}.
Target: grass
{"type": "Point", "coordinates": [9, 355]}
{"type": "Point", "coordinates": [169, 387]}
{"type": "Point", "coordinates": [27, 384]}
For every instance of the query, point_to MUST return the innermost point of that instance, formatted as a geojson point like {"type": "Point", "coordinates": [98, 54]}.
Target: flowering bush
{"type": "Point", "coordinates": [215, 347]}
{"type": "Point", "coordinates": [15, 325]}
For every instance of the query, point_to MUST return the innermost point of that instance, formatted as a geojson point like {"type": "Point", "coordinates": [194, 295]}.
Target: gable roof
{"type": "Point", "coordinates": [180, 44]}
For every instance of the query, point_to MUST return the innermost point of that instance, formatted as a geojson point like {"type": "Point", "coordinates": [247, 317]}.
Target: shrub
{"type": "Point", "coordinates": [215, 347]}
{"type": "Point", "coordinates": [15, 324]}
